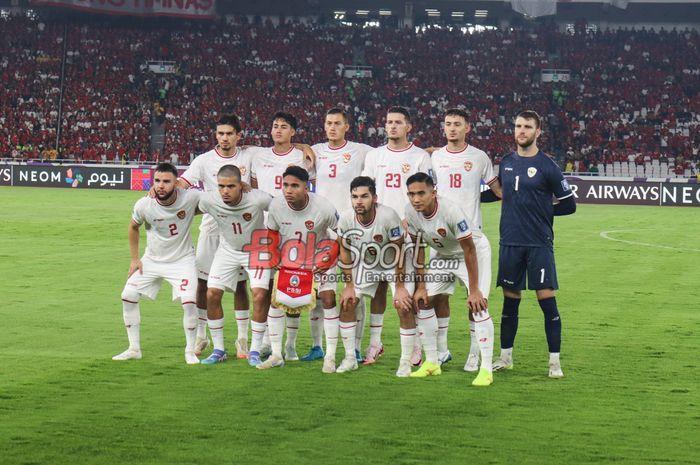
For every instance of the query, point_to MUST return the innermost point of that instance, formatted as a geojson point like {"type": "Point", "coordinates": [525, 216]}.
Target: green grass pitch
{"type": "Point", "coordinates": [629, 304]}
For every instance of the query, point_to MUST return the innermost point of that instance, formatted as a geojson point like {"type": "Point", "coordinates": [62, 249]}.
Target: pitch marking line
{"type": "Point", "coordinates": [606, 235]}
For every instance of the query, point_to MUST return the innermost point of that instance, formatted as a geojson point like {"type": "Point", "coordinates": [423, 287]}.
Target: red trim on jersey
{"type": "Point", "coordinates": [374, 217]}
{"type": "Point", "coordinates": [458, 151]}
{"type": "Point", "coordinates": [434, 212]}
{"type": "Point", "coordinates": [465, 237]}
{"type": "Point", "coordinates": [338, 148]}
{"type": "Point", "coordinates": [216, 149]}
{"type": "Point", "coordinates": [494, 179]}
{"type": "Point", "coordinates": [302, 208]}
{"type": "Point", "coordinates": [169, 204]}
{"type": "Point", "coordinates": [185, 179]}
{"type": "Point", "coordinates": [282, 154]}
{"type": "Point", "coordinates": [402, 150]}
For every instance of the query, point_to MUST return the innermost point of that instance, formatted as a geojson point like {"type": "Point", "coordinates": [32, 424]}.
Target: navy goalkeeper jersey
{"type": "Point", "coordinates": [530, 185]}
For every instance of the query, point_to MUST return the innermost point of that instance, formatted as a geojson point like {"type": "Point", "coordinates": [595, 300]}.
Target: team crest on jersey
{"type": "Point", "coordinates": [378, 237]}
{"type": "Point", "coordinates": [309, 225]}
{"type": "Point", "coordinates": [294, 281]}
{"type": "Point", "coordinates": [247, 216]}
{"type": "Point", "coordinates": [181, 214]}
{"type": "Point", "coordinates": [442, 232]}
{"type": "Point", "coordinates": [242, 170]}
{"type": "Point", "coordinates": [346, 158]}
{"type": "Point", "coordinates": [531, 172]}
{"type": "Point", "coordinates": [468, 165]}
{"type": "Point", "coordinates": [405, 168]}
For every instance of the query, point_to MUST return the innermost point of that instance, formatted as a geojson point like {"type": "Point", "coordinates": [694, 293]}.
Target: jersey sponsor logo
{"type": "Point", "coordinates": [396, 232]}
{"type": "Point", "coordinates": [378, 237]}
{"type": "Point", "coordinates": [182, 214]}
{"type": "Point", "coordinates": [462, 225]}
{"type": "Point", "coordinates": [405, 168]}
{"type": "Point", "coordinates": [247, 216]}
{"type": "Point", "coordinates": [509, 169]}
{"type": "Point", "coordinates": [531, 172]}
{"type": "Point", "coordinates": [565, 185]}
{"type": "Point", "coordinates": [468, 165]}
{"type": "Point", "coordinates": [346, 158]}
{"type": "Point", "coordinates": [309, 224]}
{"type": "Point", "coordinates": [442, 232]}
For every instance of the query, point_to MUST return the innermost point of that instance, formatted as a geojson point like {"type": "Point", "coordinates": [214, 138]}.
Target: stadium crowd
{"type": "Point", "coordinates": [633, 95]}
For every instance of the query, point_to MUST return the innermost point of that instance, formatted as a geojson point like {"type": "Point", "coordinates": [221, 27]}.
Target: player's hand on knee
{"type": "Point", "coordinates": [136, 265]}
{"type": "Point", "coordinates": [420, 298]}
{"type": "Point", "coordinates": [402, 299]}
{"type": "Point", "coordinates": [348, 298]}
{"type": "Point", "coordinates": [477, 302]}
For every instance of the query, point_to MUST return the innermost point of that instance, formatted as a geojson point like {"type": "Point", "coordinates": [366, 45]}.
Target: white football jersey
{"type": "Point", "coordinates": [385, 227]}
{"type": "Point", "coordinates": [390, 170]}
{"type": "Point", "coordinates": [460, 175]}
{"type": "Point", "coordinates": [335, 170]}
{"type": "Point", "coordinates": [206, 166]}
{"type": "Point", "coordinates": [443, 229]}
{"type": "Point", "coordinates": [237, 223]}
{"type": "Point", "coordinates": [317, 216]}
{"type": "Point", "coordinates": [168, 227]}
{"type": "Point", "coordinates": [268, 167]}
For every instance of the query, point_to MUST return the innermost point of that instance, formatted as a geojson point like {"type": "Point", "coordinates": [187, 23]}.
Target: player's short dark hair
{"type": "Point", "coordinates": [229, 171]}
{"type": "Point", "coordinates": [403, 110]}
{"type": "Point", "coordinates": [298, 172]}
{"type": "Point", "coordinates": [230, 120]}
{"type": "Point", "coordinates": [530, 114]}
{"type": "Point", "coordinates": [286, 117]}
{"type": "Point", "coordinates": [166, 168]}
{"type": "Point", "coordinates": [458, 112]}
{"type": "Point", "coordinates": [420, 177]}
{"type": "Point", "coordinates": [364, 181]}
{"type": "Point", "coordinates": [338, 111]}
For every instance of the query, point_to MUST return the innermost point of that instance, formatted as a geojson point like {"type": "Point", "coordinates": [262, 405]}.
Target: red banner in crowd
{"type": "Point", "coordinates": [202, 9]}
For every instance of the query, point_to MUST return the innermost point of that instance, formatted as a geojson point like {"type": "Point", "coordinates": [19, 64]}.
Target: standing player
{"type": "Point", "coordinates": [370, 235]}
{"type": "Point", "coordinates": [443, 225]}
{"type": "Point", "coordinates": [204, 169]}
{"type": "Point", "coordinates": [530, 180]}
{"type": "Point", "coordinates": [338, 162]}
{"type": "Point", "coordinates": [267, 169]}
{"type": "Point", "coordinates": [292, 219]}
{"type": "Point", "coordinates": [169, 255]}
{"type": "Point", "coordinates": [238, 215]}
{"type": "Point", "coordinates": [461, 169]}
{"type": "Point", "coordinates": [390, 165]}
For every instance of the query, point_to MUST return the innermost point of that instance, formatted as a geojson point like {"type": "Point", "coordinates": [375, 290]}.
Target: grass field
{"type": "Point", "coordinates": [629, 304]}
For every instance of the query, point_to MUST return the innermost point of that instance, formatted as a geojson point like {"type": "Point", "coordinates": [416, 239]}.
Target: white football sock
{"type": "Point", "coordinates": [507, 354]}
{"type": "Point", "coordinates": [257, 332]}
{"type": "Point", "coordinates": [473, 340]}
{"type": "Point", "coordinates": [132, 320]}
{"type": "Point", "coordinates": [242, 319]}
{"type": "Point", "coordinates": [330, 327]}
{"type": "Point", "coordinates": [554, 357]}
{"type": "Point", "coordinates": [360, 314]}
{"type": "Point", "coordinates": [292, 331]}
{"type": "Point", "coordinates": [275, 326]}
{"type": "Point", "coordinates": [202, 323]}
{"type": "Point", "coordinates": [443, 325]}
{"type": "Point", "coordinates": [483, 325]}
{"type": "Point", "coordinates": [376, 323]}
{"type": "Point", "coordinates": [190, 321]}
{"type": "Point", "coordinates": [408, 337]}
{"type": "Point", "coordinates": [347, 332]}
{"type": "Point", "coordinates": [266, 336]}
{"type": "Point", "coordinates": [316, 324]}
{"type": "Point", "coordinates": [428, 329]}
{"type": "Point", "coordinates": [216, 329]}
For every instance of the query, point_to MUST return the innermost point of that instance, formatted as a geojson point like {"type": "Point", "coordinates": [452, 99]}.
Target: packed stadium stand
{"type": "Point", "coordinates": [631, 108]}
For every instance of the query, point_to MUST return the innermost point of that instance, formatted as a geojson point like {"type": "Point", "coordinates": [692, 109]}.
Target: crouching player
{"type": "Point", "coordinates": [169, 255]}
{"type": "Point", "coordinates": [442, 224]}
{"type": "Point", "coordinates": [238, 215]}
{"type": "Point", "coordinates": [371, 240]}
